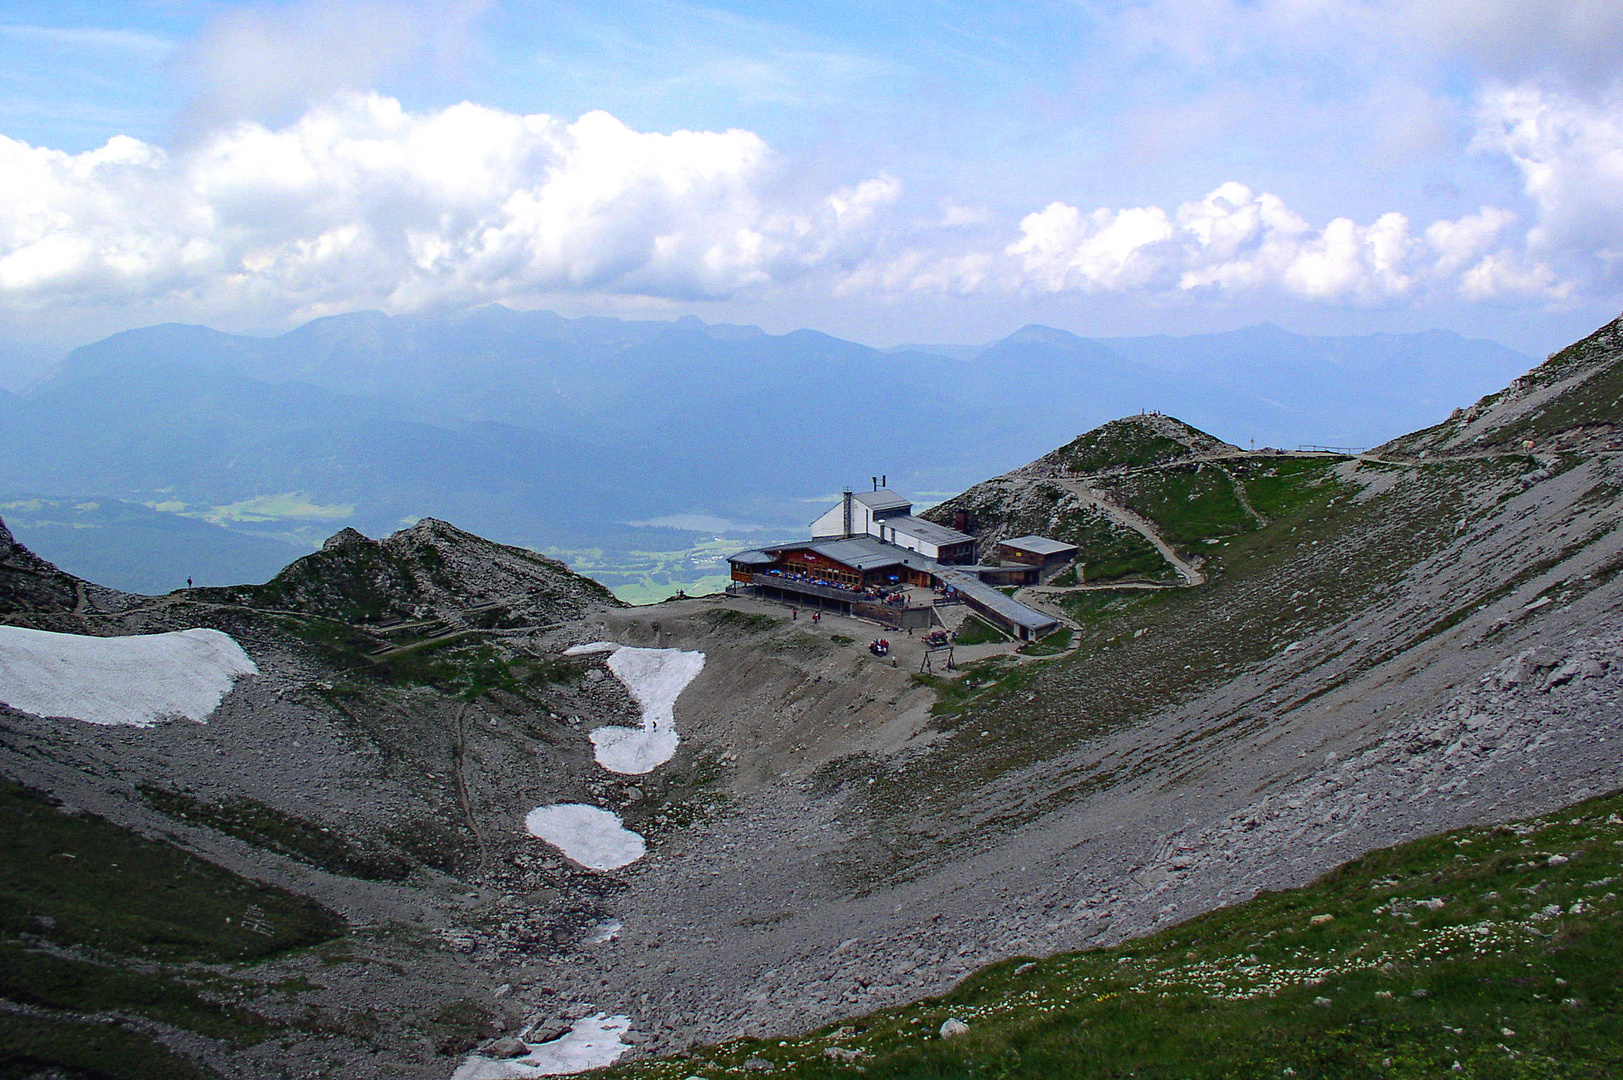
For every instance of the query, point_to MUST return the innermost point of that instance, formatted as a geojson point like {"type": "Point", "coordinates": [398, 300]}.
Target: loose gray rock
{"type": "Point", "coordinates": [508, 1047]}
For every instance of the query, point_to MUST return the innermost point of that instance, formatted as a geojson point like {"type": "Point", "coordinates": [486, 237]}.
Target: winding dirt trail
{"type": "Point", "coordinates": [1240, 497]}
{"type": "Point", "coordinates": [1143, 526]}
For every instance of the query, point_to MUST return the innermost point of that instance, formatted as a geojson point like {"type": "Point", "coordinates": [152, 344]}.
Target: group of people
{"type": "Point", "coordinates": [810, 580]}
{"type": "Point", "coordinates": [877, 594]}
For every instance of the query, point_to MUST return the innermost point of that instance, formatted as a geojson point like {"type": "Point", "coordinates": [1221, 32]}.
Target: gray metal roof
{"type": "Point", "coordinates": [872, 553]}
{"type": "Point", "coordinates": [862, 553]}
{"type": "Point", "coordinates": [985, 595]}
{"type": "Point", "coordinates": [1040, 545]}
{"type": "Point", "coordinates": [883, 499]}
{"type": "Point", "coordinates": [927, 531]}
{"type": "Point", "coordinates": [753, 558]}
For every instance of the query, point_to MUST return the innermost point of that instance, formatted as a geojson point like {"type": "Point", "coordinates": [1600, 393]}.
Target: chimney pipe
{"type": "Point", "coordinates": [875, 481]}
{"type": "Point", "coordinates": [847, 513]}
{"type": "Point", "coordinates": [884, 481]}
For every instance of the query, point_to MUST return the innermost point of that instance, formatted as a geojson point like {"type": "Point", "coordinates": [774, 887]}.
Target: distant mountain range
{"type": "Point", "coordinates": [557, 433]}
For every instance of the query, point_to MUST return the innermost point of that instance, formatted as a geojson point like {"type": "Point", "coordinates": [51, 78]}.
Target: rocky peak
{"type": "Point", "coordinates": [433, 530]}
{"type": "Point", "coordinates": [432, 569]}
{"type": "Point", "coordinates": [347, 538]}
{"type": "Point", "coordinates": [1131, 442]}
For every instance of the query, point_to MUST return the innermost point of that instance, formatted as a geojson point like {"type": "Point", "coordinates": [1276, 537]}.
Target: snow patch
{"type": "Point", "coordinates": [592, 837]}
{"type": "Point", "coordinates": [593, 1042]}
{"type": "Point", "coordinates": [605, 931]}
{"type": "Point", "coordinates": [134, 681]}
{"type": "Point", "coordinates": [656, 678]}
{"type": "Point", "coordinates": [590, 648]}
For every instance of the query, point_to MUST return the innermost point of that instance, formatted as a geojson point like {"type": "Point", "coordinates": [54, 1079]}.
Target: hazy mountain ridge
{"type": "Point", "coordinates": [534, 428]}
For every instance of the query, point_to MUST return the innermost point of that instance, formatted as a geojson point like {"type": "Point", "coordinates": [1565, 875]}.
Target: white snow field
{"type": "Point", "coordinates": [656, 678]}
{"type": "Point", "coordinates": [135, 681]}
{"type": "Point", "coordinates": [592, 837]}
{"type": "Point", "coordinates": [593, 1042]}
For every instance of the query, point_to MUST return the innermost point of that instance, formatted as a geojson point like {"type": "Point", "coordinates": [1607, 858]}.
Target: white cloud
{"type": "Point", "coordinates": [1232, 240]}
{"type": "Point", "coordinates": [1461, 243]}
{"type": "Point", "coordinates": [363, 202]}
{"type": "Point", "coordinates": [1063, 249]}
{"type": "Point", "coordinates": [1569, 150]}
{"type": "Point", "coordinates": [1236, 242]}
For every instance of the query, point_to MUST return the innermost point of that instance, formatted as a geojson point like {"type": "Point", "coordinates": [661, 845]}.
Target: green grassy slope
{"type": "Point", "coordinates": [1484, 953]}
{"type": "Point", "coordinates": [95, 919]}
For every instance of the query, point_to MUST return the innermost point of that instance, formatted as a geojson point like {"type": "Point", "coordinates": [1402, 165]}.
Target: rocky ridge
{"type": "Point", "coordinates": [430, 570]}
{"type": "Point", "coordinates": [1569, 404]}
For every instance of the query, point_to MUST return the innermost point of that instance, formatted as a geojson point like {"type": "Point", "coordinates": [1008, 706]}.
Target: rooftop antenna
{"type": "Point", "coordinates": [875, 480]}
{"type": "Point", "coordinates": [884, 481]}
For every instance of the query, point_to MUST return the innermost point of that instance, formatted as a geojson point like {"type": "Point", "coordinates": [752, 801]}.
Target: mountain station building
{"type": "Point", "coordinates": [868, 549]}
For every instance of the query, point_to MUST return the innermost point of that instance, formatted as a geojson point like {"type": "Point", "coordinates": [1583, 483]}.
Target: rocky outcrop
{"type": "Point", "coordinates": [430, 570]}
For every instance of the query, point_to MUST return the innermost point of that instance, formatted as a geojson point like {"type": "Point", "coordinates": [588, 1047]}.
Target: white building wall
{"type": "Point", "coordinates": [911, 543]}
{"type": "Point", "coordinates": [831, 523]}
{"type": "Point", "coordinates": [863, 523]}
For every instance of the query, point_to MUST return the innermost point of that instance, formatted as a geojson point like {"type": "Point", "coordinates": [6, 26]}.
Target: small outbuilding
{"type": "Point", "coordinates": [1048, 556]}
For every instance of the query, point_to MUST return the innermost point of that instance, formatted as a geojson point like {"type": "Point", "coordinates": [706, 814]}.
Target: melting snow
{"type": "Point", "coordinates": [592, 1043]}
{"type": "Point", "coordinates": [656, 678]}
{"type": "Point", "coordinates": [590, 647]}
{"type": "Point", "coordinates": [592, 837]}
{"type": "Point", "coordinates": [605, 931]}
{"type": "Point", "coordinates": [134, 681]}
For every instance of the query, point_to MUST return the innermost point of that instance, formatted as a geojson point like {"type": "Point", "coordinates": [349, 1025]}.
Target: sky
{"type": "Point", "coordinates": [920, 170]}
